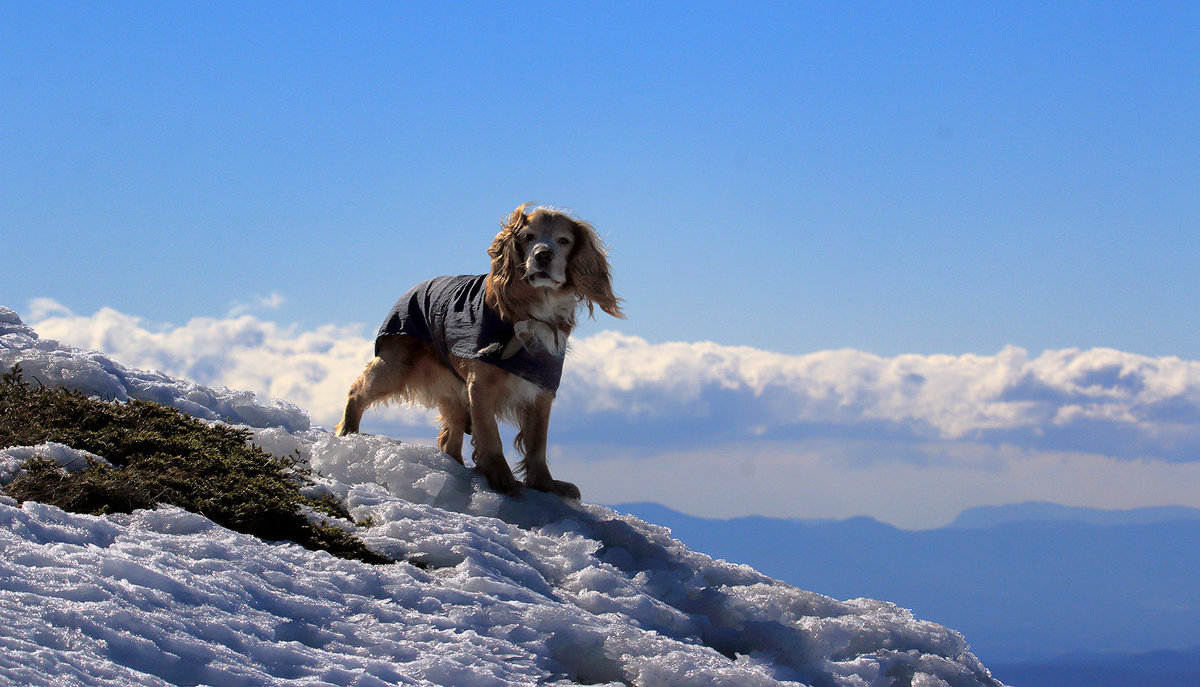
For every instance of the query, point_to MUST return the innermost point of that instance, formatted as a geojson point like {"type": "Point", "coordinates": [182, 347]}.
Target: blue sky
{"type": "Point", "coordinates": [928, 179]}
{"type": "Point", "coordinates": [936, 179]}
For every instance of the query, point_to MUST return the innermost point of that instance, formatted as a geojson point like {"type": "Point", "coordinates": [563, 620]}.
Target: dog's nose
{"type": "Point", "coordinates": [543, 256]}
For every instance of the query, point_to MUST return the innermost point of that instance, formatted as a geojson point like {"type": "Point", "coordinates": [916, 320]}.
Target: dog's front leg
{"type": "Point", "coordinates": [535, 423]}
{"type": "Point", "coordinates": [485, 434]}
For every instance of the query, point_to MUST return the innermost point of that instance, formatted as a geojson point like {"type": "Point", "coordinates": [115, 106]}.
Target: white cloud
{"type": "Point", "coordinates": [310, 368]}
{"type": "Point", "coordinates": [1096, 399]}
{"type": "Point", "coordinates": [622, 389]}
{"type": "Point", "coordinates": [269, 302]}
{"type": "Point", "coordinates": [43, 308]}
{"type": "Point", "coordinates": [722, 431]}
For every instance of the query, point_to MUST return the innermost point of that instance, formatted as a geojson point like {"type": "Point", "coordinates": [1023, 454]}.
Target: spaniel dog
{"type": "Point", "coordinates": [491, 346]}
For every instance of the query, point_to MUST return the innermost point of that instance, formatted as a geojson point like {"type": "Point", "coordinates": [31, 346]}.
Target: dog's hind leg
{"type": "Point", "coordinates": [382, 378]}
{"type": "Point", "coordinates": [364, 392]}
{"type": "Point", "coordinates": [456, 418]}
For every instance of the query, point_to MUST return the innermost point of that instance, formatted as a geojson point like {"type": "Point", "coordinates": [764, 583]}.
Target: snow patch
{"type": "Point", "coordinates": [70, 459]}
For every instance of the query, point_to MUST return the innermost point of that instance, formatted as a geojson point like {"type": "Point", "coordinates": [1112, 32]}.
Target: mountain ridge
{"type": "Point", "coordinates": [1044, 511]}
{"type": "Point", "coordinates": [975, 517]}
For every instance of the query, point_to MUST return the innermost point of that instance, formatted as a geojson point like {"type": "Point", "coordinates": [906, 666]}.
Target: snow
{"type": "Point", "coordinates": [70, 459]}
{"type": "Point", "coordinates": [489, 590]}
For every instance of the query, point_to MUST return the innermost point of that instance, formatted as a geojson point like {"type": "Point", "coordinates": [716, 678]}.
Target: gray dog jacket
{"type": "Point", "coordinates": [450, 313]}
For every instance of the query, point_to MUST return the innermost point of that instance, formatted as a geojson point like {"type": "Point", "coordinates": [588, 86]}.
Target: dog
{"type": "Point", "coordinates": [484, 348]}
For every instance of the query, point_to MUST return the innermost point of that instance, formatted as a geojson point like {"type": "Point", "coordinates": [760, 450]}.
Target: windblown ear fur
{"type": "Point", "coordinates": [589, 273]}
{"type": "Point", "coordinates": [507, 291]}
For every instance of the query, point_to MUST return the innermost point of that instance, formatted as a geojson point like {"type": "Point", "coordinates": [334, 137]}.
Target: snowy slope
{"type": "Point", "coordinates": [508, 591]}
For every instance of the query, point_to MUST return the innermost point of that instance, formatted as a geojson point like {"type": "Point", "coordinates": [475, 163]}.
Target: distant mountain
{"type": "Point", "coordinates": [1157, 668]}
{"type": "Point", "coordinates": [1019, 590]}
{"type": "Point", "coordinates": [1040, 511]}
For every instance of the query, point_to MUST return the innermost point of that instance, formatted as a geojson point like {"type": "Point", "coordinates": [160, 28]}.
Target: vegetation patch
{"type": "Point", "coordinates": [160, 455]}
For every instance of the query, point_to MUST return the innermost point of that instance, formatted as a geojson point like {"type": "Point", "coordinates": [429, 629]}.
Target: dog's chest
{"type": "Point", "coordinates": [550, 322]}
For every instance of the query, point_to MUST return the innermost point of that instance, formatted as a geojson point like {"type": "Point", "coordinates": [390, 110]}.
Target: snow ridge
{"type": "Point", "coordinates": [490, 591]}
{"type": "Point", "coordinates": [55, 364]}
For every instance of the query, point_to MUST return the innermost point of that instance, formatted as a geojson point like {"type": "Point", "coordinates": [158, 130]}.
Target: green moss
{"type": "Point", "coordinates": [159, 455]}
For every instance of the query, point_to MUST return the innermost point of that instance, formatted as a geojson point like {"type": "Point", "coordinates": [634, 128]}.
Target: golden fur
{"type": "Point", "coordinates": [545, 264]}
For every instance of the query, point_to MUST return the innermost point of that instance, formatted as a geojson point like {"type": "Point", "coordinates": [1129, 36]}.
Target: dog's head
{"type": "Point", "coordinates": [546, 249]}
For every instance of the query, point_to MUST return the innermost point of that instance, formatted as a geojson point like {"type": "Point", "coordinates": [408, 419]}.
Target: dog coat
{"type": "Point", "coordinates": [449, 313]}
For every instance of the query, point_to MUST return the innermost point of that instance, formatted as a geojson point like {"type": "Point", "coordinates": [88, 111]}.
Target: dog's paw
{"type": "Point", "coordinates": [501, 482]}
{"type": "Point", "coordinates": [558, 487]}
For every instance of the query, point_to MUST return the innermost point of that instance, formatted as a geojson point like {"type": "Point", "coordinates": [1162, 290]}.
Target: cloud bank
{"type": "Point", "coordinates": [621, 389]}
{"type": "Point", "coordinates": [722, 431]}
{"type": "Point", "coordinates": [313, 368]}
{"type": "Point", "coordinates": [1100, 400]}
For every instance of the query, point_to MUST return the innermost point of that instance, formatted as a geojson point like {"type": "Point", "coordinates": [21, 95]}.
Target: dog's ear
{"type": "Point", "coordinates": [589, 273]}
{"type": "Point", "coordinates": [508, 266]}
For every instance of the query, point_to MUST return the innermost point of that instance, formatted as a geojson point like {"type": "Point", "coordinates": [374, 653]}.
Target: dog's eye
{"type": "Point", "coordinates": [564, 241]}
{"type": "Point", "coordinates": [527, 238]}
